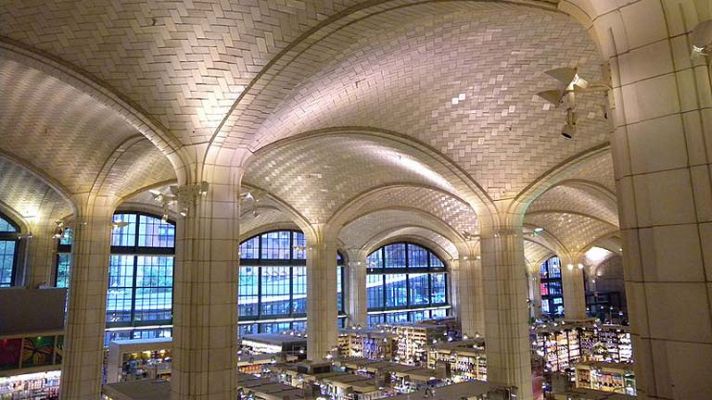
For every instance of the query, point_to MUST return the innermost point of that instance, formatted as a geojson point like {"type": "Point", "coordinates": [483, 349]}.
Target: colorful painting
{"type": "Point", "coordinates": [37, 351]}
{"type": "Point", "coordinates": [10, 350]}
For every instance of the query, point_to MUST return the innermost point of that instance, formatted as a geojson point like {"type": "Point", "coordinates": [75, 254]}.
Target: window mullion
{"type": "Point", "coordinates": [133, 290]}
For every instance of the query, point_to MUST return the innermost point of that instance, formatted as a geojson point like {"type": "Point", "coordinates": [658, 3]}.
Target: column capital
{"type": "Point", "coordinates": [89, 206]}
{"type": "Point", "coordinates": [187, 196]}
{"type": "Point", "coordinates": [320, 234]}
{"type": "Point", "coordinates": [356, 257]}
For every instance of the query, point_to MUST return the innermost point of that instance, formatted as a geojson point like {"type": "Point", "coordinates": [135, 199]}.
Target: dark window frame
{"type": "Point", "coordinates": [11, 237]}
{"type": "Point", "coordinates": [135, 251]}
{"type": "Point", "coordinates": [382, 270]}
{"type": "Point", "coordinates": [549, 282]}
{"type": "Point", "coordinates": [261, 262]}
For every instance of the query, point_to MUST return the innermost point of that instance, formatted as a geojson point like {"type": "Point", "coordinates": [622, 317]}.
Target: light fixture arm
{"type": "Point", "coordinates": [187, 195]}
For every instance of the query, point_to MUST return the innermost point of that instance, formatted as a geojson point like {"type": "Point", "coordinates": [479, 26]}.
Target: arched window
{"type": "Point", "coordinates": [140, 277]}
{"type": "Point", "coordinates": [8, 251]}
{"type": "Point", "coordinates": [405, 283]}
{"type": "Point", "coordinates": [273, 283]}
{"type": "Point", "coordinates": [552, 292]}
{"type": "Point", "coordinates": [64, 259]}
{"type": "Point", "coordinates": [139, 301]}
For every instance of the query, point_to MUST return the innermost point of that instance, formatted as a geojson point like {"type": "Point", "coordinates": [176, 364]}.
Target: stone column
{"type": "Point", "coordinates": [86, 319]}
{"type": "Point", "coordinates": [574, 291]}
{"type": "Point", "coordinates": [41, 254]}
{"type": "Point", "coordinates": [356, 300]}
{"type": "Point", "coordinates": [322, 332]}
{"type": "Point", "coordinates": [534, 291]}
{"type": "Point", "coordinates": [469, 293]}
{"type": "Point", "coordinates": [205, 288]}
{"type": "Point", "coordinates": [662, 153]}
{"type": "Point", "coordinates": [506, 313]}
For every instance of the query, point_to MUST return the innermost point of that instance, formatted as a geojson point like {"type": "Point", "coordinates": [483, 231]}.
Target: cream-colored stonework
{"type": "Point", "coordinates": [362, 123]}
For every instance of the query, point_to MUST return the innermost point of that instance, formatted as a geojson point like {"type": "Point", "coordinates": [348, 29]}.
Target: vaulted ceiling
{"type": "Point", "coordinates": [388, 118]}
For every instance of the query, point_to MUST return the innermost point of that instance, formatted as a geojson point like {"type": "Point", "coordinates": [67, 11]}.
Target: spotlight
{"type": "Point", "coordinates": [570, 127]}
{"type": "Point", "coordinates": [567, 132]}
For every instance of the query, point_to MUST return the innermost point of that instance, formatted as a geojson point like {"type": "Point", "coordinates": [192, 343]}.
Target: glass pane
{"type": "Point", "coordinates": [396, 295]}
{"type": "Point", "coordinates": [395, 255]}
{"type": "Point", "coordinates": [274, 327]}
{"type": "Point", "coordinates": [374, 291]}
{"type": "Point", "coordinates": [416, 316]}
{"type": "Point", "coordinates": [554, 288]}
{"type": "Point", "coordinates": [247, 300]}
{"type": "Point", "coordinates": [153, 232]}
{"type": "Point", "coordinates": [375, 259]}
{"type": "Point", "coordinates": [276, 245]}
{"type": "Point", "coordinates": [64, 262]}
{"type": "Point", "coordinates": [275, 291]}
{"type": "Point", "coordinates": [67, 237]}
{"type": "Point", "coordinates": [419, 289]}
{"type": "Point", "coordinates": [554, 267]}
{"type": "Point", "coordinates": [6, 226]}
{"type": "Point", "coordinates": [438, 288]}
{"type": "Point", "coordinates": [299, 290]}
{"type": "Point", "coordinates": [250, 249]}
{"type": "Point", "coordinates": [439, 313]}
{"type": "Point", "coordinates": [417, 256]}
{"type": "Point", "coordinates": [543, 271]}
{"type": "Point", "coordinates": [299, 246]}
{"type": "Point", "coordinates": [124, 235]}
{"type": "Point", "coordinates": [396, 317]}
{"type": "Point", "coordinates": [374, 320]}
{"type": "Point", "coordinates": [299, 326]}
{"type": "Point", "coordinates": [154, 288]}
{"type": "Point", "coordinates": [436, 262]}
{"type": "Point", "coordinates": [119, 295]}
{"type": "Point", "coordinates": [544, 288]}
{"type": "Point", "coordinates": [247, 329]}
{"type": "Point", "coordinates": [7, 262]}
{"type": "Point", "coordinates": [339, 288]}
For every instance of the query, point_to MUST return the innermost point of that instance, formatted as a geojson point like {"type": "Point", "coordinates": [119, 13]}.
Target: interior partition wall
{"type": "Point", "coordinates": [405, 282]}
{"type": "Point", "coordinates": [272, 293]}
{"type": "Point", "coordinates": [9, 240]}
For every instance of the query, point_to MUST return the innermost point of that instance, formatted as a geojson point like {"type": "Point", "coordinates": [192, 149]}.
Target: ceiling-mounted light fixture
{"type": "Point", "coordinates": [570, 84]}
{"type": "Point", "coordinates": [119, 224]}
{"type": "Point", "coordinates": [569, 128]}
{"type": "Point", "coordinates": [701, 39]}
{"type": "Point", "coordinates": [58, 230]}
